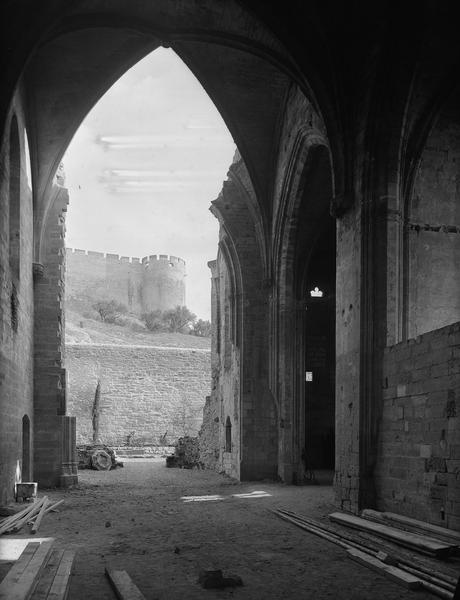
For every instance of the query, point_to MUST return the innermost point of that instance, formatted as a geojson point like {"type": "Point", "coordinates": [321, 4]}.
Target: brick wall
{"type": "Point", "coordinates": [418, 468]}
{"type": "Point", "coordinates": [145, 391]}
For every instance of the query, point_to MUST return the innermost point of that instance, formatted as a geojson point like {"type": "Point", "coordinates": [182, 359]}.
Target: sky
{"type": "Point", "coordinates": [143, 168]}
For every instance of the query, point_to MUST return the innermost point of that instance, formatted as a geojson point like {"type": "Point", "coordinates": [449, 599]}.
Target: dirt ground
{"type": "Point", "coordinates": [135, 519]}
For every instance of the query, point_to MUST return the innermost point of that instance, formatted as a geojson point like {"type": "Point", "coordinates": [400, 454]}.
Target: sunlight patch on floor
{"type": "Point", "coordinates": [202, 498]}
{"type": "Point", "coordinates": [257, 494]}
{"type": "Point", "coordinates": [11, 548]}
{"type": "Point", "coordinates": [214, 498]}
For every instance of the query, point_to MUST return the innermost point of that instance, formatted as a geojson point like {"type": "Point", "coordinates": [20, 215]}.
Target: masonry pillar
{"type": "Point", "coordinates": [54, 435]}
{"type": "Point", "coordinates": [243, 250]}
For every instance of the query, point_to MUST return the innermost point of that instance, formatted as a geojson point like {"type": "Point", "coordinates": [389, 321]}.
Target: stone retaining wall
{"type": "Point", "coordinates": [146, 392]}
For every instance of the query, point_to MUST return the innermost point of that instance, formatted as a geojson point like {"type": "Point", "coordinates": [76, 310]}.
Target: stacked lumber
{"type": "Point", "coordinates": [410, 574]}
{"type": "Point", "coordinates": [40, 573]}
{"type": "Point", "coordinates": [414, 525]}
{"type": "Point", "coordinates": [421, 543]}
{"type": "Point", "coordinates": [32, 515]}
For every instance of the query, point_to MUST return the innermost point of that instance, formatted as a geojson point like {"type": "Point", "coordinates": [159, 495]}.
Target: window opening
{"type": "Point", "coordinates": [228, 435]}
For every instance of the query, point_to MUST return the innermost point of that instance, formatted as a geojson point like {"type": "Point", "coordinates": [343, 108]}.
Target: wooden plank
{"type": "Point", "coordinates": [404, 538]}
{"type": "Point", "coordinates": [21, 587]}
{"type": "Point", "coordinates": [438, 578]}
{"type": "Point", "coordinates": [429, 527]}
{"type": "Point", "coordinates": [456, 595]}
{"type": "Point", "coordinates": [402, 577]}
{"type": "Point", "coordinates": [40, 515]}
{"type": "Point", "coordinates": [123, 586]}
{"type": "Point", "coordinates": [53, 507]}
{"type": "Point", "coordinates": [60, 585]}
{"type": "Point", "coordinates": [437, 591]}
{"type": "Point", "coordinates": [6, 524]}
{"type": "Point", "coordinates": [14, 574]}
{"type": "Point", "coordinates": [36, 506]}
{"type": "Point", "coordinates": [11, 548]}
{"type": "Point", "coordinates": [47, 576]}
{"type": "Point", "coordinates": [49, 508]}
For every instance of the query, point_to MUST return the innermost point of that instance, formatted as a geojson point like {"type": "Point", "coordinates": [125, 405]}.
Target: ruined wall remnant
{"type": "Point", "coordinates": [153, 283]}
{"type": "Point", "coordinates": [220, 448]}
{"type": "Point", "coordinates": [145, 391]}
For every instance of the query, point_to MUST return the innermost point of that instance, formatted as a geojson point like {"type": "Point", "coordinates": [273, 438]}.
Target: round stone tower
{"type": "Point", "coordinates": [163, 282]}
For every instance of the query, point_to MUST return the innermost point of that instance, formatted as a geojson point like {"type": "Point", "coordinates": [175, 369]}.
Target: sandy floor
{"type": "Point", "coordinates": [135, 519]}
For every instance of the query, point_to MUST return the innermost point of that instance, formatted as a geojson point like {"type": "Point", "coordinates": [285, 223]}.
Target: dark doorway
{"type": "Point", "coordinates": [26, 474]}
{"type": "Point", "coordinates": [320, 352]}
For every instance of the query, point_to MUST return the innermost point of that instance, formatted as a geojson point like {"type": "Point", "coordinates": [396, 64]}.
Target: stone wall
{"type": "Point", "coordinates": [155, 282]}
{"type": "Point", "coordinates": [49, 373]}
{"type": "Point", "coordinates": [16, 308]}
{"type": "Point", "coordinates": [220, 439]}
{"type": "Point", "coordinates": [145, 391]}
{"type": "Point", "coordinates": [433, 230]}
{"type": "Point", "coordinates": [418, 469]}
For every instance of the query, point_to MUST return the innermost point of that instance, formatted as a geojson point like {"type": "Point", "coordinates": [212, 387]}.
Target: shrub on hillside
{"type": "Point", "coordinates": [201, 328]}
{"type": "Point", "coordinates": [130, 321]}
{"type": "Point", "coordinates": [154, 321]}
{"type": "Point", "coordinates": [178, 319]}
{"type": "Point", "coordinates": [175, 320]}
{"type": "Point", "coordinates": [109, 310]}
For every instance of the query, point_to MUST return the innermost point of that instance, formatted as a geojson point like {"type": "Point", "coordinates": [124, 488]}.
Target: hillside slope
{"type": "Point", "coordinates": [87, 331]}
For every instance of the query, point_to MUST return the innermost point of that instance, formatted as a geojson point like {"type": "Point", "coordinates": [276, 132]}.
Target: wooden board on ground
{"type": "Point", "coordinates": [61, 582]}
{"type": "Point", "coordinates": [12, 548]}
{"type": "Point", "coordinates": [21, 580]}
{"type": "Point", "coordinates": [415, 541]}
{"type": "Point", "coordinates": [40, 515]}
{"type": "Point", "coordinates": [124, 587]}
{"type": "Point", "coordinates": [9, 522]}
{"type": "Point", "coordinates": [429, 527]}
{"type": "Point", "coordinates": [18, 568]}
{"type": "Point", "coordinates": [402, 577]}
{"type": "Point", "coordinates": [47, 576]}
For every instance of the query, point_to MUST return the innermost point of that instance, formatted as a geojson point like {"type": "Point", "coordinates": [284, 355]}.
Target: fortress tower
{"type": "Point", "coordinates": [156, 282]}
{"type": "Point", "coordinates": [163, 282]}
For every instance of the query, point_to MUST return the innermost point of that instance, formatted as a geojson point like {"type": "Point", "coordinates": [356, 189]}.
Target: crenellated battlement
{"type": "Point", "coordinates": [146, 260]}
{"type": "Point", "coordinates": [153, 282]}
{"type": "Point", "coordinates": [155, 259]}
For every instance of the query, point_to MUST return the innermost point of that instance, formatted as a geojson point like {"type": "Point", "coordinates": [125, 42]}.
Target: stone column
{"type": "Point", "coordinates": [54, 433]}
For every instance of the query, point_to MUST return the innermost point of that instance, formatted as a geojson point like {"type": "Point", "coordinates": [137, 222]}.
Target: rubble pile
{"type": "Point", "coordinates": [186, 454]}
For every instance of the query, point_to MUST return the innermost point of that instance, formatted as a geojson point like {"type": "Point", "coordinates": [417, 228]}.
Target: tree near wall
{"type": "Point", "coordinates": [178, 319]}
{"type": "Point", "coordinates": [154, 320]}
{"type": "Point", "coordinates": [109, 310]}
{"type": "Point", "coordinates": [96, 412]}
{"type": "Point", "coordinates": [201, 328]}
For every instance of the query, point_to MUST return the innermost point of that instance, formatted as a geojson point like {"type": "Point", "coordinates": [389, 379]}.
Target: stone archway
{"type": "Point", "coordinates": [305, 202]}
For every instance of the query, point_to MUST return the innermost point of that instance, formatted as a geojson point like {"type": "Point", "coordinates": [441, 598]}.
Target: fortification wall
{"type": "Point", "coordinates": [151, 283]}
{"type": "Point", "coordinates": [145, 391]}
